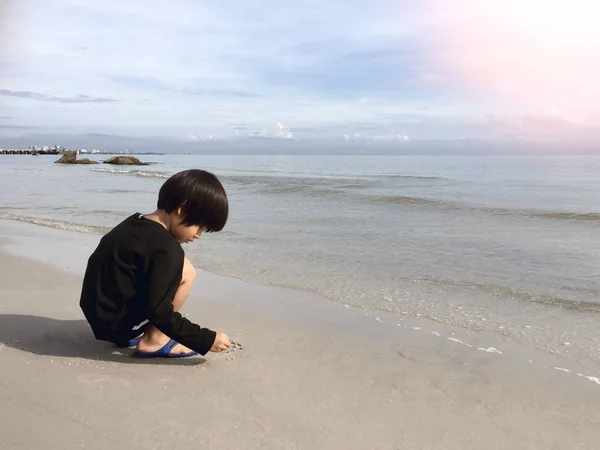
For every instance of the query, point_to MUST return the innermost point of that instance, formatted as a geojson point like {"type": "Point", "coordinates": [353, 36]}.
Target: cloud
{"type": "Point", "coordinates": [194, 138]}
{"type": "Point", "coordinates": [283, 132]}
{"type": "Point", "coordinates": [52, 98]}
{"type": "Point", "coordinates": [377, 137]}
{"type": "Point", "coordinates": [278, 131]}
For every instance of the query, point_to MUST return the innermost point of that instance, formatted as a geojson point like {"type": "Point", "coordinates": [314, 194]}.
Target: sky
{"type": "Point", "coordinates": [341, 72]}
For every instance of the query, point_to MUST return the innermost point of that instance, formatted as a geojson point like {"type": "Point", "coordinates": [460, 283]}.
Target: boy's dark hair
{"type": "Point", "coordinates": [200, 195]}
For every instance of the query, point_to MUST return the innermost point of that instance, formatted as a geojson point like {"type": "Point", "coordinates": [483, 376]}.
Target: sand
{"type": "Point", "coordinates": [307, 374]}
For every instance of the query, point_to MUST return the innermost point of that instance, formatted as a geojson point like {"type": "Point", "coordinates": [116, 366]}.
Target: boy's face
{"type": "Point", "coordinates": [184, 233]}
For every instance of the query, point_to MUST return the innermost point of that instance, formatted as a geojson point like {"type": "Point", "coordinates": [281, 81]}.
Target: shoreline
{"type": "Point", "coordinates": [46, 245]}
{"type": "Point", "coordinates": [310, 374]}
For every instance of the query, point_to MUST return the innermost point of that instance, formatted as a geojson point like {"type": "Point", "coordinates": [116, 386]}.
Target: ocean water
{"type": "Point", "coordinates": [508, 245]}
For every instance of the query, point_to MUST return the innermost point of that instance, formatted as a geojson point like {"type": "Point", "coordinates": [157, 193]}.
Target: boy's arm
{"type": "Point", "coordinates": [164, 279]}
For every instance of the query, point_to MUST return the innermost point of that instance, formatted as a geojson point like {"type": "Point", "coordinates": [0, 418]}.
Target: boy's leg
{"type": "Point", "coordinates": [153, 338]}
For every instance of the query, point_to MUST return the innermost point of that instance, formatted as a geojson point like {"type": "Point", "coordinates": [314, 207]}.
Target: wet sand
{"type": "Point", "coordinates": [307, 374]}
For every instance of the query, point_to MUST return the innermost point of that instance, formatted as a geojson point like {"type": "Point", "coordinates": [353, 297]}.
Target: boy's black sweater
{"type": "Point", "coordinates": [133, 276]}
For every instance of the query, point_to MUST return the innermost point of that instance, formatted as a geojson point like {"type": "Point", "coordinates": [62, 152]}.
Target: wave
{"type": "Point", "coordinates": [450, 205]}
{"type": "Point", "coordinates": [252, 180]}
{"type": "Point", "coordinates": [414, 201]}
{"type": "Point", "coordinates": [542, 214]}
{"type": "Point", "coordinates": [57, 224]}
{"type": "Point", "coordinates": [252, 177]}
{"type": "Point", "coordinates": [412, 177]}
{"type": "Point", "coordinates": [117, 191]}
{"type": "Point", "coordinates": [351, 186]}
{"type": "Point", "coordinates": [562, 215]}
{"type": "Point", "coordinates": [134, 172]}
{"type": "Point", "coordinates": [310, 186]}
{"type": "Point", "coordinates": [290, 179]}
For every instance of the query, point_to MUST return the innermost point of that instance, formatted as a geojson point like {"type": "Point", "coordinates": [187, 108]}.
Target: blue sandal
{"type": "Point", "coordinates": [131, 343]}
{"type": "Point", "coordinates": [165, 352]}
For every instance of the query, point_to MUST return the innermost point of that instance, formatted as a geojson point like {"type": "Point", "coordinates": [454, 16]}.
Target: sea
{"type": "Point", "coordinates": [501, 244]}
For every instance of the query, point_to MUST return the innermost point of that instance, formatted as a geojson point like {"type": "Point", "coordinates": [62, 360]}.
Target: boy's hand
{"type": "Point", "coordinates": [221, 343]}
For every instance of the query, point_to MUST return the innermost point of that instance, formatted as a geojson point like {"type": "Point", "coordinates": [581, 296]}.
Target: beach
{"type": "Point", "coordinates": [307, 373]}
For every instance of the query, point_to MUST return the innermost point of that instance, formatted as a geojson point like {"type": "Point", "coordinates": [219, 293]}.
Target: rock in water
{"type": "Point", "coordinates": [71, 158]}
{"type": "Point", "coordinates": [125, 161]}
{"type": "Point", "coordinates": [85, 161]}
{"type": "Point", "coordinates": [67, 158]}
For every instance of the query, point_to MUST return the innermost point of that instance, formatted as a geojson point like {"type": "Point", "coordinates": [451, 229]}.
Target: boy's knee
{"type": "Point", "coordinates": [189, 271]}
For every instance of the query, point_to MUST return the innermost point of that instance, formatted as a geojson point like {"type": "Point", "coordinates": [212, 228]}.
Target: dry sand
{"type": "Point", "coordinates": [307, 375]}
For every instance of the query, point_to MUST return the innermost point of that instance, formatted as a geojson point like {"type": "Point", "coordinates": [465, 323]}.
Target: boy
{"type": "Point", "coordinates": [138, 277]}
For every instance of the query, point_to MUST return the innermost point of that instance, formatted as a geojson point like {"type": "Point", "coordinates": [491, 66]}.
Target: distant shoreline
{"type": "Point", "coordinates": [27, 152]}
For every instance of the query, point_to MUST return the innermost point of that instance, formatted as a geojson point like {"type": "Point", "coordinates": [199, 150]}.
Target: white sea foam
{"type": "Point", "coordinates": [112, 170]}
{"type": "Point", "coordinates": [59, 224]}
{"type": "Point", "coordinates": [594, 380]}
{"type": "Point", "coordinates": [490, 350]}
{"type": "Point", "coordinates": [133, 172]}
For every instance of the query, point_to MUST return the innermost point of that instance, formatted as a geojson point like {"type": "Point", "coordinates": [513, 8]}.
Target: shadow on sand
{"type": "Point", "coordinates": [70, 339]}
